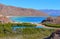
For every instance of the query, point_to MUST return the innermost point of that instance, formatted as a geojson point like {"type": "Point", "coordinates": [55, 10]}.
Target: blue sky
{"type": "Point", "coordinates": [35, 4]}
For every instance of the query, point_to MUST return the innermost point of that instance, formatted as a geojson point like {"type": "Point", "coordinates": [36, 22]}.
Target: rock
{"type": "Point", "coordinates": [54, 35]}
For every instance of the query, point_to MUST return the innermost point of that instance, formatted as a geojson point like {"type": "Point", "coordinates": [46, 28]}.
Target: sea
{"type": "Point", "coordinates": [28, 19]}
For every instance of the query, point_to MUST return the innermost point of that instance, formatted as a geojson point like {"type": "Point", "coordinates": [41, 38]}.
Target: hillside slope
{"type": "Point", "coordinates": [16, 11]}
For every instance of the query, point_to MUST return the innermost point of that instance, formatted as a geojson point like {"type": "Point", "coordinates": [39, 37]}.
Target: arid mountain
{"type": "Point", "coordinates": [52, 12]}
{"type": "Point", "coordinates": [16, 11]}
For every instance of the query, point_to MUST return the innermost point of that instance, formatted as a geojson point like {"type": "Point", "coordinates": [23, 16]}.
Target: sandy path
{"type": "Point", "coordinates": [47, 27]}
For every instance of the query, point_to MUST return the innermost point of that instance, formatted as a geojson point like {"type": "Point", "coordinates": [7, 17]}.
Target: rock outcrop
{"type": "Point", "coordinates": [4, 19]}
{"type": "Point", "coordinates": [54, 35]}
{"type": "Point", "coordinates": [52, 20]}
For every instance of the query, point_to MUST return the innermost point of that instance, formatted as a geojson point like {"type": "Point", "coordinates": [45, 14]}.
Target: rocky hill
{"type": "Point", "coordinates": [52, 20]}
{"type": "Point", "coordinates": [17, 11]}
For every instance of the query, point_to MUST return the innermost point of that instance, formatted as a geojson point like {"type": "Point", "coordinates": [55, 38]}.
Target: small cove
{"type": "Point", "coordinates": [29, 20]}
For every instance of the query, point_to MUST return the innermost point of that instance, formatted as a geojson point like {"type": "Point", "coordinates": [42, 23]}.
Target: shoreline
{"type": "Point", "coordinates": [26, 16]}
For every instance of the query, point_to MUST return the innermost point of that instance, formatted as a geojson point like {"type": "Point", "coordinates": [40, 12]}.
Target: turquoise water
{"type": "Point", "coordinates": [28, 19]}
{"type": "Point", "coordinates": [26, 27]}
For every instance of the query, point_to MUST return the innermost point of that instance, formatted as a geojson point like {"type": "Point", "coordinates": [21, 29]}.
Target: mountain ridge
{"type": "Point", "coordinates": [51, 12]}
{"type": "Point", "coordinates": [17, 11]}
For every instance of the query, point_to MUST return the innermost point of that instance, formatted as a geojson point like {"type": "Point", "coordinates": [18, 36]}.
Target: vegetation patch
{"type": "Point", "coordinates": [52, 25]}
{"type": "Point", "coordinates": [25, 33]}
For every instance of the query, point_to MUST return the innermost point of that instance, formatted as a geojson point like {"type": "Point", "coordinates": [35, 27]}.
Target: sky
{"type": "Point", "coordinates": [34, 4]}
